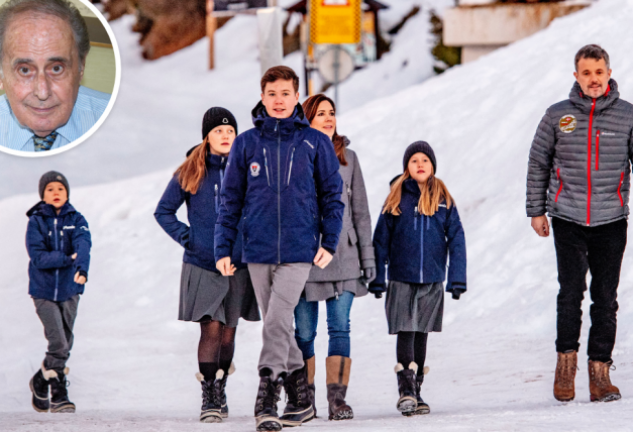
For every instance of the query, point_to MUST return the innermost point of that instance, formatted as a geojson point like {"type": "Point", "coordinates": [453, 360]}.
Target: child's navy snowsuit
{"type": "Point", "coordinates": [415, 246]}
{"type": "Point", "coordinates": [51, 240]}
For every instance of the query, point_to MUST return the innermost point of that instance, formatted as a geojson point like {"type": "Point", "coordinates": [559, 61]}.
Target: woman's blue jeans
{"type": "Point", "coordinates": [307, 318]}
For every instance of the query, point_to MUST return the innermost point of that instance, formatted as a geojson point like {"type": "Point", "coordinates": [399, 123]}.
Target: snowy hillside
{"type": "Point", "coordinates": [491, 368]}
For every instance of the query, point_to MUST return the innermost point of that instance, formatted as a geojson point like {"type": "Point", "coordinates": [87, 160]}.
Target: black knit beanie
{"type": "Point", "coordinates": [50, 177]}
{"type": "Point", "coordinates": [419, 147]}
{"type": "Point", "coordinates": [215, 117]}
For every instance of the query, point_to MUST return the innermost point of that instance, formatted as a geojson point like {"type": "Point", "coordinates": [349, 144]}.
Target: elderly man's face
{"type": "Point", "coordinates": [42, 71]}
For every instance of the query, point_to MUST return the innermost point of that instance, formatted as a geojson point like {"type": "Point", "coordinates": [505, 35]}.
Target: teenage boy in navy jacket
{"type": "Point", "coordinates": [282, 178]}
{"type": "Point", "coordinates": [58, 242]}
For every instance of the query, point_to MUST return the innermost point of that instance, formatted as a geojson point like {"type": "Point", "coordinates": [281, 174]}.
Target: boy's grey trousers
{"type": "Point", "coordinates": [58, 319]}
{"type": "Point", "coordinates": [278, 289]}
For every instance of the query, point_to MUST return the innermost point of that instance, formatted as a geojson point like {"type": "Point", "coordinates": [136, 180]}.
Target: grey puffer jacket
{"type": "Point", "coordinates": [355, 249]}
{"type": "Point", "coordinates": [580, 160]}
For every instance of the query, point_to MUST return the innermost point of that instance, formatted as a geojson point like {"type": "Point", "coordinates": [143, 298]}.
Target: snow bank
{"type": "Point", "coordinates": [492, 367]}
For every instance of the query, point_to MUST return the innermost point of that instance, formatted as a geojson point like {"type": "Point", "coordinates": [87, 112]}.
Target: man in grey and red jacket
{"type": "Point", "coordinates": [579, 172]}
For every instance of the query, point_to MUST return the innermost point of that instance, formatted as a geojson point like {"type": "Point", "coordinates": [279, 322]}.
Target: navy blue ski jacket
{"type": "Point", "coordinates": [51, 240]}
{"type": "Point", "coordinates": [202, 212]}
{"type": "Point", "coordinates": [415, 246]}
{"type": "Point", "coordinates": [283, 179]}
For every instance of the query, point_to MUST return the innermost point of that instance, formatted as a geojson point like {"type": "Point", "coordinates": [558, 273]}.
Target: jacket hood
{"type": "Point", "coordinates": [44, 209]}
{"type": "Point", "coordinates": [411, 186]}
{"type": "Point", "coordinates": [583, 102]}
{"type": "Point", "coordinates": [263, 121]}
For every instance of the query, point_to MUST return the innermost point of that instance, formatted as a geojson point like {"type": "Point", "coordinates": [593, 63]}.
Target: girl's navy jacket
{"type": "Point", "coordinates": [283, 182]}
{"type": "Point", "coordinates": [202, 212]}
{"type": "Point", "coordinates": [415, 246]}
{"type": "Point", "coordinates": [51, 240]}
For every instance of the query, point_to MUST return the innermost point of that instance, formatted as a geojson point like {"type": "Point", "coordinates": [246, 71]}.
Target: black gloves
{"type": "Point", "coordinates": [458, 291]}
{"type": "Point", "coordinates": [377, 290]}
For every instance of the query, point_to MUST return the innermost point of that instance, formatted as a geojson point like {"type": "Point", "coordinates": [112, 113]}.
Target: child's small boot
{"type": "Point", "coordinates": [423, 407]}
{"type": "Point", "coordinates": [564, 380]}
{"type": "Point", "coordinates": [39, 388]}
{"type": "Point", "coordinates": [299, 406]}
{"type": "Point", "coordinates": [408, 401]}
{"type": "Point", "coordinates": [220, 389]}
{"type": "Point", "coordinates": [600, 386]}
{"type": "Point", "coordinates": [311, 372]}
{"type": "Point", "coordinates": [266, 417]}
{"type": "Point", "coordinates": [338, 371]}
{"type": "Point", "coordinates": [210, 411]}
{"type": "Point", "coordinates": [59, 393]}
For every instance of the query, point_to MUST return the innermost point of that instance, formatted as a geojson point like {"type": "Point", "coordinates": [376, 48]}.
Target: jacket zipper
{"type": "Point", "coordinates": [560, 188]}
{"type": "Point", "coordinates": [56, 270]}
{"type": "Point", "coordinates": [216, 197]}
{"type": "Point", "coordinates": [597, 150]}
{"type": "Point", "coordinates": [421, 248]}
{"type": "Point", "coordinates": [278, 193]}
{"type": "Point", "coordinates": [415, 219]}
{"type": "Point", "coordinates": [593, 107]}
{"type": "Point", "coordinates": [266, 165]}
{"type": "Point", "coordinates": [292, 156]}
{"type": "Point", "coordinates": [619, 190]}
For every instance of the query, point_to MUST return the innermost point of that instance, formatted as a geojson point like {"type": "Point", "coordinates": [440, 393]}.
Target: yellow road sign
{"type": "Point", "coordinates": [335, 21]}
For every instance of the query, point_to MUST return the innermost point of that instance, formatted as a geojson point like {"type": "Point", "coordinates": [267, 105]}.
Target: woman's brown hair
{"type": "Point", "coordinates": [194, 168]}
{"type": "Point", "coordinates": [433, 192]}
{"type": "Point", "coordinates": [310, 107]}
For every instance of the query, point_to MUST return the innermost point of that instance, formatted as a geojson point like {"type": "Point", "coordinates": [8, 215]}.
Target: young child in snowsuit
{"type": "Point", "coordinates": [58, 242]}
{"type": "Point", "coordinates": [419, 224]}
{"type": "Point", "coordinates": [283, 181]}
{"type": "Point", "coordinates": [216, 302]}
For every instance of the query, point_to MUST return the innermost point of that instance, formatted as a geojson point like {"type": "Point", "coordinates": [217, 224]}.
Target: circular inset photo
{"type": "Point", "coordinates": [60, 70]}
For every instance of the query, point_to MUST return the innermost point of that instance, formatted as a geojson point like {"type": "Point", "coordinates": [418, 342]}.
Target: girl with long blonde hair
{"type": "Point", "coordinates": [206, 297]}
{"type": "Point", "coordinates": [419, 228]}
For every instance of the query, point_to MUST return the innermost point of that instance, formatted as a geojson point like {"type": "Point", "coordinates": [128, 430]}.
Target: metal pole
{"type": "Point", "coordinates": [337, 66]}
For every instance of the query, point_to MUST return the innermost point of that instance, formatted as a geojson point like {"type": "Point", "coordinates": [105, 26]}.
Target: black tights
{"type": "Point", "coordinates": [411, 346]}
{"type": "Point", "coordinates": [216, 348]}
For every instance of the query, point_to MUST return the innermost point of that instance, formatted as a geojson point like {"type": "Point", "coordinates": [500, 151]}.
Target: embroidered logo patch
{"type": "Point", "coordinates": [225, 121]}
{"type": "Point", "coordinates": [255, 169]}
{"type": "Point", "coordinates": [567, 123]}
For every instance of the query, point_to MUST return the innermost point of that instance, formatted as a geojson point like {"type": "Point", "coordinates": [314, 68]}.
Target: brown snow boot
{"type": "Point", "coordinates": [311, 371]}
{"type": "Point", "coordinates": [338, 370]}
{"type": "Point", "coordinates": [566, 366]}
{"type": "Point", "coordinates": [600, 386]}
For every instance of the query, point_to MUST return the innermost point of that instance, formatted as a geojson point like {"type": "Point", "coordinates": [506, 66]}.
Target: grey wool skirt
{"type": "Point", "coordinates": [206, 295]}
{"type": "Point", "coordinates": [414, 307]}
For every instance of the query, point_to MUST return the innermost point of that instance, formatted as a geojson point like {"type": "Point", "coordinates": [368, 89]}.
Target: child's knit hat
{"type": "Point", "coordinates": [215, 117]}
{"type": "Point", "coordinates": [419, 147]}
{"type": "Point", "coordinates": [50, 177]}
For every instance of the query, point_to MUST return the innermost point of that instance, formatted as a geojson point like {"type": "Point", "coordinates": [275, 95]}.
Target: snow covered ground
{"type": "Point", "coordinates": [133, 364]}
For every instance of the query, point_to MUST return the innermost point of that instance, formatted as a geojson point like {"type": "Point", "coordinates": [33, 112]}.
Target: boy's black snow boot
{"type": "Point", "coordinates": [266, 417]}
{"type": "Point", "coordinates": [423, 407]}
{"type": "Point", "coordinates": [59, 394]}
{"type": "Point", "coordinates": [408, 401]}
{"type": "Point", "coordinates": [299, 406]}
{"type": "Point", "coordinates": [210, 411]}
{"type": "Point", "coordinates": [39, 388]}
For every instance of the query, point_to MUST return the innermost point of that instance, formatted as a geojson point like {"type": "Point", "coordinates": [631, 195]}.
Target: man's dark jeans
{"type": "Point", "coordinates": [599, 250]}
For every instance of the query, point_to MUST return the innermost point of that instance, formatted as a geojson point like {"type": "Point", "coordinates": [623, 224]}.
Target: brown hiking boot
{"type": "Point", "coordinates": [600, 385]}
{"type": "Point", "coordinates": [566, 366]}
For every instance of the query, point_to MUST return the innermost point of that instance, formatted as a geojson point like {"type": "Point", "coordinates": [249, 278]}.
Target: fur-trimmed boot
{"type": "Point", "coordinates": [211, 410]}
{"type": "Point", "coordinates": [338, 371]}
{"type": "Point", "coordinates": [220, 388]}
{"type": "Point", "coordinates": [299, 406]}
{"type": "Point", "coordinates": [423, 407]}
{"type": "Point", "coordinates": [39, 388]}
{"type": "Point", "coordinates": [408, 401]}
{"type": "Point", "coordinates": [600, 386]}
{"type": "Point", "coordinates": [59, 393]}
{"type": "Point", "coordinates": [564, 380]}
{"type": "Point", "coordinates": [311, 372]}
{"type": "Point", "coordinates": [266, 417]}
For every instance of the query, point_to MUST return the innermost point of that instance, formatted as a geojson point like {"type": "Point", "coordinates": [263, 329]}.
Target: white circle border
{"type": "Point", "coordinates": [106, 113]}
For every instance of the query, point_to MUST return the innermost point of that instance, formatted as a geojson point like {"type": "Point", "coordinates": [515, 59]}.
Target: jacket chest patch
{"type": "Point", "coordinates": [255, 169]}
{"type": "Point", "coordinates": [567, 123]}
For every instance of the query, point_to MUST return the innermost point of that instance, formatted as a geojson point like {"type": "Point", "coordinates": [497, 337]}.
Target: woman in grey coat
{"type": "Point", "coordinates": [352, 267]}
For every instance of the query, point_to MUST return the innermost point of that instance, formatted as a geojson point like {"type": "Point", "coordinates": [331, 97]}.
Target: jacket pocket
{"type": "Point", "coordinates": [620, 189]}
{"type": "Point", "coordinates": [215, 198]}
{"type": "Point", "coordinates": [351, 234]}
{"type": "Point", "coordinates": [560, 184]}
{"type": "Point", "coordinates": [598, 150]}
{"type": "Point", "coordinates": [292, 157]}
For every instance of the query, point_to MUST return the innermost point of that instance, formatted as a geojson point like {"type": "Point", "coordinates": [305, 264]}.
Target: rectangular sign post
{"type": "Point", "coordinates": [335, 21]}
